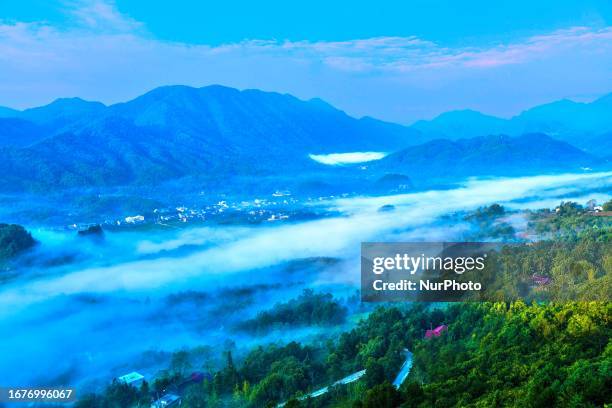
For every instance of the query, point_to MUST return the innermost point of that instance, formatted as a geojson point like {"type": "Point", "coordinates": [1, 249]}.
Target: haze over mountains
{"type": "Point", "coordinates": [585, 125]}
{"type": "Point", "coordinates": [177, 131]}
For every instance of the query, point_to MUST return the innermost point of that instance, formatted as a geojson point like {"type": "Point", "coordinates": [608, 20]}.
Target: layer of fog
{"type": "Point", "coordinates": [158, 291]}
{"type": "Point", "coordinates": [335, 159]}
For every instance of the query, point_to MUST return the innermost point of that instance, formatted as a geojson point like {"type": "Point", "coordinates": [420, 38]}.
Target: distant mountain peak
{"type": "Point", "coordinates": [73, 103]}
{"type": "Point", "coordinates": [561, 104]}
{"type": "Point", "coordinates": [459, 124]}
{"type": "Point", "coordinates": [73, 100]}
{"type": "Point", "coordinates": [61, 109]}
{"type": "Point", "coordinates": [6, 112]}
{"type": "Point", "coordinates": [321, 103]}
{"type": "Point", "coordinates": [604, 100]}
{"type": "Point", "coordinates": [165, 92]}
{"type": "Point", "coordinates": [464, 112]}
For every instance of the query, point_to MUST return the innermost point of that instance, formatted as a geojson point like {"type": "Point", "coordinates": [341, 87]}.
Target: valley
{"type": "Point", "coordinates": [129, 301]}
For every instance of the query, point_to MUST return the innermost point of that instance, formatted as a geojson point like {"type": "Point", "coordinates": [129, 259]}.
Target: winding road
{"type": "Point", "coordinates": [399, 379]}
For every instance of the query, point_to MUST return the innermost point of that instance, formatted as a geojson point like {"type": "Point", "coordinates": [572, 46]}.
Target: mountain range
{"type": "Point", "coordinates": [585, 125]}
{"type": "Point", "coordinates": [177, 131]}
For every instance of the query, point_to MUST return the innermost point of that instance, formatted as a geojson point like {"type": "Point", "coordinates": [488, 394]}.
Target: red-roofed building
{"type": "Point", "coordinates": [540, 279]}
{"type": "Point", "coordinates": [437, 332]}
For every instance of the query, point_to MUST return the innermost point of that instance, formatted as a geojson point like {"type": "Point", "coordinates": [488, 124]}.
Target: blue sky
{"type": "Point", "coordinates": [396, 60]}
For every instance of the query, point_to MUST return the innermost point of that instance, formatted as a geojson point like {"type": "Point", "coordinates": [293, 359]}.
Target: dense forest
{"type": "Point", "coordinates": [309, 309]}
{"type": "Point", "coordinates": [14, 239]}
{"type": "Point", "coordinates": [493, 354]}
{"type": "Point", "coordinates": [509, 353]}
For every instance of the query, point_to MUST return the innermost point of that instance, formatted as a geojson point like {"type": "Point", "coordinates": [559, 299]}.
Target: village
{"type": "Point", "coordinates": [280, 206]}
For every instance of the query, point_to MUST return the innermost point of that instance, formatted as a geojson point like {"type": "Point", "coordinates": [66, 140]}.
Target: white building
{"type": "Point", "coordinates": [132, 378]}
{"type": "Point", "coordinates": [134, 219]}
{"type": "Point", "coordinates": [168, 400]}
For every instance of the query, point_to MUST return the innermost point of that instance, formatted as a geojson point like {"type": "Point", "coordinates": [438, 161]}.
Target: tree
{"type": "Point", "coordinates": [382, 396]}
{"type": "Point", "coordinates": [375, 373]}
{"type": "Point", "coordinates": [415, 394]}
{"type": "Point", "coordinates": [13, 240]}
{"type": "Point", "coordinates": [120, 395]}
{"type": "Point", "coordinates": [180, 363]}
{"type": "Point", "coordinates": [196, 396]}
{"type": "Point", "coordinates": [293, 403]}
{"type": "Point", "coordinates": [91, 401]}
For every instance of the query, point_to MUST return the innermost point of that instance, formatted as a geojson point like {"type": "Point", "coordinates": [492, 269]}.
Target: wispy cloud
{"type": "Point", "coordinates": [99, 25]}
{"type": "Point", "coordinates": [102, 15]}
{"type": "Point", "coordinates": [101, 53]}
{"type": "Point", "coordinates": [411, 53]}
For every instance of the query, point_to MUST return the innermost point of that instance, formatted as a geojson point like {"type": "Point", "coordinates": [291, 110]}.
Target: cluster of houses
{"type": "Point", "coordinates": [167, 399]}
{"type": "Point", "coordinates": [592, 208]}
{"type": "Point", "coordinates": [260, 209]}
{"type": "Point", "coordinates": [255, 211]}
{"type": "Point", "coordinates": [279, 207]}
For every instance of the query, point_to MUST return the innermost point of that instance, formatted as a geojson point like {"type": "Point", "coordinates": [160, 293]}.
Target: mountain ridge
{"type": "Point", "coordinates": [578, 123]}
{"type": "Point", "coordinates": [178, 131]}
{"type": "Point", "coordinates": [494, 155]}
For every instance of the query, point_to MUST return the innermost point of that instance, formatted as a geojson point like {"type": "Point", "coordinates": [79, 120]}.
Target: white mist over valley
{"type": "Point", "coordinates": [127, 302]}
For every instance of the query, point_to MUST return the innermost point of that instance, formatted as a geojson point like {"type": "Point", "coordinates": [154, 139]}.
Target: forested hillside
{"type": "Point", "coordinates": [489, 354]}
